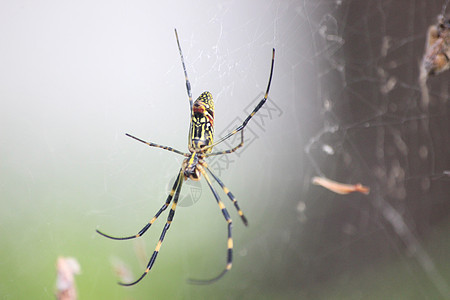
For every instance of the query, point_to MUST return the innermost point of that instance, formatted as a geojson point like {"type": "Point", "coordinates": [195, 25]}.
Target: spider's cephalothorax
{"type": "Point", "coordinates": [201, 132]}
{"type": "Point", "coordinates": [201, 135]}
{"type": "Point", "coordinates": [190, 169]}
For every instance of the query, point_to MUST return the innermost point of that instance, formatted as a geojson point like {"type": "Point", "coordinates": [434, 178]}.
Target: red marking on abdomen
{"type": "Point", "coordinates": [198, 109]}
{"type": "Point", "coordinates": [211, 120]}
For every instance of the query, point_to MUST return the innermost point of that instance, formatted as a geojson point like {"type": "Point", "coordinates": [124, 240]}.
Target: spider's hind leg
{"type": "Point", "coordinates": [229, 194]}
{"type": "Point", "coordinates": [164, 231]}
{"type": "Point", "coordinates": [147, 226]}
{"type": "Point", "coordinates": [229, 240]}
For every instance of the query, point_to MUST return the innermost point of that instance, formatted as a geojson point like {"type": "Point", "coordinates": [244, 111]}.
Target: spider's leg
{"type": "Point", "coordinates": [230, 239]}
{"type": "Point", "coordinates": [260, 104]}
{"type": "Point", "coordinates": [229, 194]}
{"type": "Point", "coordinates": [230, 150]}
{"type": "Point", "coordinates": [188, 84]}
{"type": "Point", "coordinates": [163, 233]}
{"type": "Point", "coordinates": [159, 146]}
{"type": "Point", "coordinates": [147, 226]}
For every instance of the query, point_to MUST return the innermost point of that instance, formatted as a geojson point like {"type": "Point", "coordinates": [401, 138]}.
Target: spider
{"type": "Point", "coordinates": [201, 133]}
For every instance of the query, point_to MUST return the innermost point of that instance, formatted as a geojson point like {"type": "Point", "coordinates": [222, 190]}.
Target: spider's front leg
{"type": "Point", "coordinates": [228, 151]}
{"type": "Point", "coordinates": [255, 110]}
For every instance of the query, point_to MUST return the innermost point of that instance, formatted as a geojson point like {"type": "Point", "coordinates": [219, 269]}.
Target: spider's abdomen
{"type": "Point", "coordinates": [201, 132]}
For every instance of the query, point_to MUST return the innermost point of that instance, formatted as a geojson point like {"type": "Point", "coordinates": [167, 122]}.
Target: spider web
{"type": "Point", "coordinates": [373, 130]}
{"type": "Point", "coordinates": [354, 80]}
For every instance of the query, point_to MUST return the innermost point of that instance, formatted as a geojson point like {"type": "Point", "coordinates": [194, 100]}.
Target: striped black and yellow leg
{"type": "Point", "coordinates": [228, 151]}
{"type": "Point", "coordinates": [147, 226]}
{"type": "Point", "coordinates": [229, 194]}
{"type": "Point", "coordinates": [163, 234]}
{"type": "Point", "coordinates": [188, 84]}
{"type": "Point", "coordinates": [229, 240]}
{"type": "Point", "coordinates": [159, 146]}
{"type": "Point", "coordinates": [258, 107]}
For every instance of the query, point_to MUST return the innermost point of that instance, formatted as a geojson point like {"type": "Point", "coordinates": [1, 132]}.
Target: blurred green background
{"type": "Point", "coordinates": [76, 76]}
